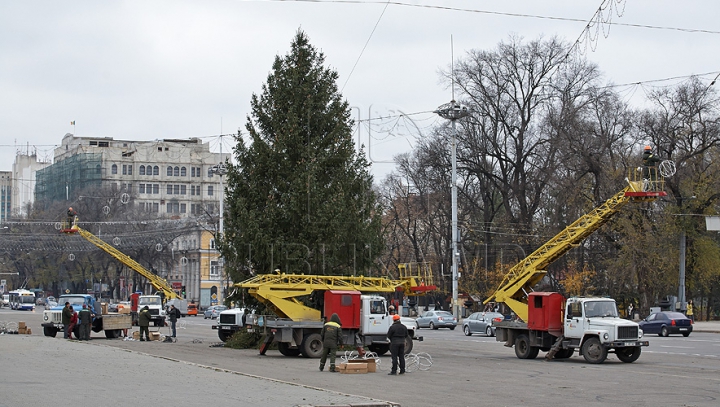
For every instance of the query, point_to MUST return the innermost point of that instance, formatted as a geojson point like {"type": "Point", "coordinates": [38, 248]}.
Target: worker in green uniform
{"type": "Point", "coordinates": [332, 339]}
{"type": "Point", "coordinates": [144, 322]}
{"type": "Point", "coordinates": [85, 318]}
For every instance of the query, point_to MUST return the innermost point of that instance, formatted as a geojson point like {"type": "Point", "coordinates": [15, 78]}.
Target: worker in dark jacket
{"type": "Point", "coordinates": [71, 214]}
{"type": "Point", "coordinates": [67, 313]}
{"type": "Point", "coordinates": [332, 339]}
{"type": "Point", "coordinates": [397, 334]}
{"type": "Point", "coordinates": [174, 314]}
{"type": "Point", "coordinates": [85, 318]}
{"type": "Point", "coordinates": [144, 322]}
{"type": "Point", "coordinates": [649, 161]}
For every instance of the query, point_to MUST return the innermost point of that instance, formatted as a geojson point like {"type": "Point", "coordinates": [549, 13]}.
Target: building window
{"type": "Point", "coordinates": [183, 208]}
{"type": "Point", "coordinates": [156, 189]}
{"type": "Point", "coordinates": [176, 189]}
{"type": "Point", "coordinates": [173, 207]}
{"type": "Point", "coordinates": [183, 172]}
{"type": "Point", "coordinates": [176, 171]}
{"type": "Point", "coordinates": [156, 170]}
{"type": "Point", "coordinates": [212, 244]}
{"type": "Point", "coordinates": [214, 269]}
{"type": "Point", "coordinates": [124, 169]}
{"type": "Point", "coordinates": [183, 189]}
{"type": "Point", "coordinates": [210, 190]}
{"type": "Point", "coordinates": [192, 171]}
{"type": "Point", "coordinates": [156, 207]}
{"type": "Point", "coordinates": [169, 189]}
{"type": "Point", "coordinates": [141, 188]}
{"type": "Point", "coordinates": [169, 171]}
{"type": "Point", "coordinates": [142, 170]}
{"type": "Point", "coordinates": [113, 169]}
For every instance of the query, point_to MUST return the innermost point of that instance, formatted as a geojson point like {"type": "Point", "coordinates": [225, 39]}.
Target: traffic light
{"type": "Point", "coordinates": [183, 291]}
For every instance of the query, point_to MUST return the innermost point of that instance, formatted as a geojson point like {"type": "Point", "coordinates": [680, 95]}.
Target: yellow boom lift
{"type": "Point", "coordinates": [521, 279]}
{"type": "Point", "coordinates": [160, 284]}
{"type": "Point", "coordinates": [364, 314]}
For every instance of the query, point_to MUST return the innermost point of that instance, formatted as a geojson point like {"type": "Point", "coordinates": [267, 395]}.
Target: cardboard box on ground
{"type": "Point", "coordinates": [358, 366]}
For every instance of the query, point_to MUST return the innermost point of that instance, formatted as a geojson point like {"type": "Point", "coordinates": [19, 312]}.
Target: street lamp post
{"type": "Point", "coordinates": [453, 111]}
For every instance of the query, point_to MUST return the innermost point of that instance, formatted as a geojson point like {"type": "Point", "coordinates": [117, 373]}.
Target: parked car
{"type": "Point", "coordinates": [213, 311]}
{"type": "Point", "coordinates": [665, 323]}
{"type": "Point", "coordinates": [436, 319]}
{"type": "Point", "coordinates": [481, 322]}
{"type": "Point", "coordinates": [192, 310]}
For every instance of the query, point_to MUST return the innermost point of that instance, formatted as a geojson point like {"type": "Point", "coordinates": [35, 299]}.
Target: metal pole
{"type": "Point", "coordinates": [681, 285]}
{"type": "Point", "coordinates": [453, 111]}
{"type": "Point", "coordinates": [454, 223]}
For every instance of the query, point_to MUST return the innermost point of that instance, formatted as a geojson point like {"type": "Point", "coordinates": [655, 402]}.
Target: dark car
{"type": "Point", "coordinates": [436, 319]}
{"type": "Point", "coordinates": [481, 322]}
{"type": "Point", "coordinates": [667, 322]}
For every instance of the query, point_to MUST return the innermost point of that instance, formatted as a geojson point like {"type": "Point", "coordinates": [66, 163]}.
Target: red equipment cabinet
{"type": "Point", "coordinates": [545, 312]}
{"type": "Point", "coordinates": [344, 303]}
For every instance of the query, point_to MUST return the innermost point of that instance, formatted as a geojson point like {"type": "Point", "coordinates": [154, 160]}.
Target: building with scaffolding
{"type": "Point", "coordinates": [168, 179]}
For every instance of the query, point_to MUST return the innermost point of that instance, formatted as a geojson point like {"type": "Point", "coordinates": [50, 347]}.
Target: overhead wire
{"type": "Point", "coordinates": [490, 12]}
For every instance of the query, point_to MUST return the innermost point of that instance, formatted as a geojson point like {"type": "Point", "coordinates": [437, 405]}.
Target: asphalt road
{"type": "Point", "coordinates": [466, 371]}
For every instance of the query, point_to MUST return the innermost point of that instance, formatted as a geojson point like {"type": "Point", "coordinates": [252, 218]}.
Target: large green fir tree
{"type": "Point", "coordinates": [300, 197]}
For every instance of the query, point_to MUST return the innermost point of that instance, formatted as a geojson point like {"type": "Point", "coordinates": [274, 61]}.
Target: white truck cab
{"type": "Point", "coordinates": [154, 304]}
{"type": "Point", "coordinates": [593, 325]}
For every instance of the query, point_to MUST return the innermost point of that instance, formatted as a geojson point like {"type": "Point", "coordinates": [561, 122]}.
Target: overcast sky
{"type": "Point", "coordinates": [145, 70]}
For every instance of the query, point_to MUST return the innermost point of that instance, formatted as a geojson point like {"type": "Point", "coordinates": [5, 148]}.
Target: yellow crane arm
{"type": "Point", "coordinates": [159, 283]}
{"type": "Point", "coordinates": [281, 292]}
{"type": "Point", "coordinates": [520, 280]}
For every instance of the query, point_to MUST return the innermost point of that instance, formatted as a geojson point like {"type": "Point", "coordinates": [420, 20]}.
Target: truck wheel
{"type": "Point", "coordinates": [224, 336]}
{"type": "Point", "coordinates": [312, 346]}
{"type": "Point", "coordinates": [48, 331]}
{"type": "Point", "coordinates": [408, 345]}
{"type": "Point", "coordinates": [629, 354]}
{"type": "Point", "coordinates": [523, 350]}
{"type": "Point", "coordinates": [564, 353]}
{"type": "Point", "coordinates": [286, 350]}
{"type": "Point", "coordinates": [593, 351]}
{"type": "Point", "coordinates": [112, 333]}
{"type": "Point", "coordinates": [379, 349]}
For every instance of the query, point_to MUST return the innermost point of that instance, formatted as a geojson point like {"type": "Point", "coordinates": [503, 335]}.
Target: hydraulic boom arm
{"type": "Point", "coordinates": [159, 283]}
{"type": "Point", "coordinates": [521, 279]}
{"type": "Point", "coordinates": [281, 292]}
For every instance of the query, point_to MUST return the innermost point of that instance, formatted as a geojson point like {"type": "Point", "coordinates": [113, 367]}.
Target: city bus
{"type": "Point", "coordinates": [22, 300]}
